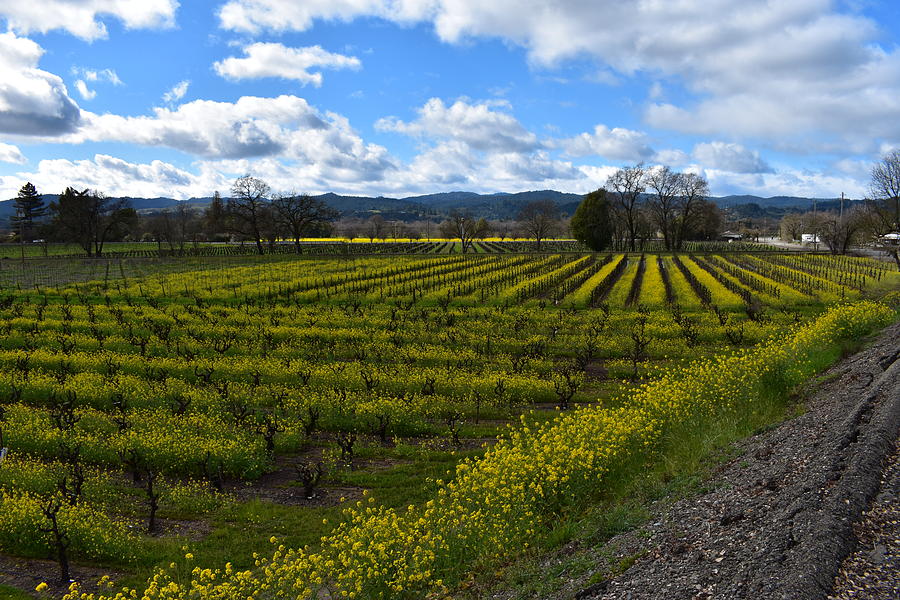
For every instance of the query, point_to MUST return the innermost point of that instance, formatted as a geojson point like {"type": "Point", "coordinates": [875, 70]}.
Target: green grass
{"type": "Point", "coordinates": [241, 528]}
{"type": "Point", "coordinates": [11, 593]}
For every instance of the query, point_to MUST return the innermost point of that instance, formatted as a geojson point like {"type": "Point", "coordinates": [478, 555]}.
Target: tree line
{"type": "Point", "coordinates": [638, 203]}
{"type": "Point", "coordinates": [90, 219]}
{"type": "Point", "coordinates": [872, 221]}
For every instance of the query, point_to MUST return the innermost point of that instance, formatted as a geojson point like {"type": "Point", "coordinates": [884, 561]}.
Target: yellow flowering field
{"type": "Point", "coordinates": [477, 396]}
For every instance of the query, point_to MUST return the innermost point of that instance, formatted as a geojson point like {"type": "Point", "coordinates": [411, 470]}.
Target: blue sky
{"type": "Point", "coordinates": [405, 97]}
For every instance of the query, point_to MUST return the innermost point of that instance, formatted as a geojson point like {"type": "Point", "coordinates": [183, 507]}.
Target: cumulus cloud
{"type": "Point", "coordinates": [94, 76]}
{"type": "Point", "coordinates": [479, 146]}
{"type": "Point", "coordinates": [32, 101]}
{"type": "Point", "coordinates": [450, 163]}
{"type": "Point", "coordinates": [177, 92]}
{"type": "Point", "coordinates": [730, 157]}
{"type": "Point", "coordinates": [784, 182]}
{"type": "Point", "coordinates": [250, 127]}
{"type": "Point", "coordinates": [758, 68]}
{"type": "Point", "coordinates": [477, 125]}
{"type": "Point", "coordinates": [277, 60]}
{"type": "Point", "coordinates": [285, 127]}
{"type": "Point", "coordinates": [82, 18]}
{"type": "Point", "coordinates": [253, 16]}
{"type": "Point", "coordinates": [11, 154]}
{"type": "Point", "coordinates": [83, 90]}
{"type": "Point", "coordinates": [97, 75]}
{"type": "Point", "coordinates": [614, 144]}
{"type": "Point", "coordinates": [671, 157]}
{"type": "Point", "coordinates": [116, 177]}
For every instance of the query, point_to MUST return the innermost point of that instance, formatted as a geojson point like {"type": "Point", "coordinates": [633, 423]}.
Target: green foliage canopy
{"type": "Point", "coordinates": [592, 224]}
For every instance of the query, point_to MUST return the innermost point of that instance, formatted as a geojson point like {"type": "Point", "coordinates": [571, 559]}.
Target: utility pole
{"type": "Point", "coordinates": [815, 225]}
{"type": "Point", "coordinates": [842, 206]}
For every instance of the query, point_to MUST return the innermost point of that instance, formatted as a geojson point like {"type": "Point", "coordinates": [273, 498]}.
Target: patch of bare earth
{"type": "Point", "coordinates": [872, 571]}
{"type": "Point", "coordinates": [26, 573]}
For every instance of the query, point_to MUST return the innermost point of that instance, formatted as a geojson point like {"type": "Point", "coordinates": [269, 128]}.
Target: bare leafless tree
{"type": "Point", "coordinates": [626, 186]}
{"type": "Point", "coordinates": [840, 231]}
{"type": "Point", "coordinates": [663, 204]}
{"type": "Point", "coordinates": [884, 204]}
{"type": "Point", "coordinates": [247, 208]}
{"type": "Point", "coordinates": [692, 193]}
{"type": "Point", "coordinates": [539, 219]}
{"type": "Point", "coordinates": [885, 186]}
{"type": "Point", "coordinates": [791, 227]}
{"type": "Point", "coordinates": [463, 226]}
{"type": "Point", "coordinates": [298, 214]}
{"type": "Point", "coordinates": [375, 227]}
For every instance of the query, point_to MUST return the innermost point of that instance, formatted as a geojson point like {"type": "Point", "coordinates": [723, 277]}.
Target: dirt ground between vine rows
{"type": "Point", "coordinates": [807, 510]}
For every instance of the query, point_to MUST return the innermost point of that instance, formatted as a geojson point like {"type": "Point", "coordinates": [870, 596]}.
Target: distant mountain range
{"type": "Point", "coordinates": [489, 206]}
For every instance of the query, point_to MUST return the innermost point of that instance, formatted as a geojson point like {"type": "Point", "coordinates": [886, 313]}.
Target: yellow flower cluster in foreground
{"type": "Point", "coordinates": [495, 505]}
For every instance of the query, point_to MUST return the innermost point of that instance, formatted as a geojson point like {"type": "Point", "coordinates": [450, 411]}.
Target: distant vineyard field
{"type": "Point", "coordinates": [344, 247]}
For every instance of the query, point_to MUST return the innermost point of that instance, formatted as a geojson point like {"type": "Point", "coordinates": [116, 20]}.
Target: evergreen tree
{"type": "Point", "coordinates": [29, 207]}
{"type": "Point", "coordinates": [214, 216]}
{"type": "Point", "coordinates": [592, 224]}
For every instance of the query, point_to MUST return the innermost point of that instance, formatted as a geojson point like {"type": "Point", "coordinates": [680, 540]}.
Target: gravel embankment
{"type": "Point", "coordinates": [808, 501]}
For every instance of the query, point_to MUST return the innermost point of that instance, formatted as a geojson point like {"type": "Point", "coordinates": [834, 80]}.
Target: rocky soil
{"type": "Point", "coordinates": [808, 510]}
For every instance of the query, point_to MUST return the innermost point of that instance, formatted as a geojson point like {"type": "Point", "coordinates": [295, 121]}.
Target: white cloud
{"type": "Point", "coordinates": [671, 157]}
{"type": "Point", "coordinates": [82, 18]}
{"type": "Point", "coordinates": [479, 147]}
{"type": "Point", "coordinates": [861, 170]}
{"type": "Point", "coordinates": [32, 101]}
{"type": "Point", "coordinates": [97, 75]}
{"type": "Point", "coordinates": [453, 165]}
{"type": "Point", "coordinates": [730, 157]}
{"type": "Point", "coordinates": [277, 60]}
{"type": "Point", "coordinates": [613, 144]}
{"type": "Point", "coordinates": [83, 90]}
{"type": "Point", "coordinates": [177, 92]}
{"type": "Point", "coordinates": [450, 163]}
{"type": "Point", "coordinates": [11, 154]}
{"type": "Point", "coordinates": [784, 182]}
{"type": "Point", "coordinates": [253, 16]}
{"type": "Point", "coordinates": [94, 76]}
{"type": "Point", "coordinates": [758, 68]}
{"type": "Point", "coordinates": [446, 167]}
{"type": "Point", "coordinates": [250, 127]}
{"type": "Point", "coordinates": [476, 125]}
{"type": "Point", "coordinates": [285, 128]}
{"type": "Point", "coordinates": [116, 177]}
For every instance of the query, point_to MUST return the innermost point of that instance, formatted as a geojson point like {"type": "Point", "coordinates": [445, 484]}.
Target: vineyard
{"type": "Point", "coordinates": [343, 247]}
{"type": "Point", "coordinates": [389, 423]}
